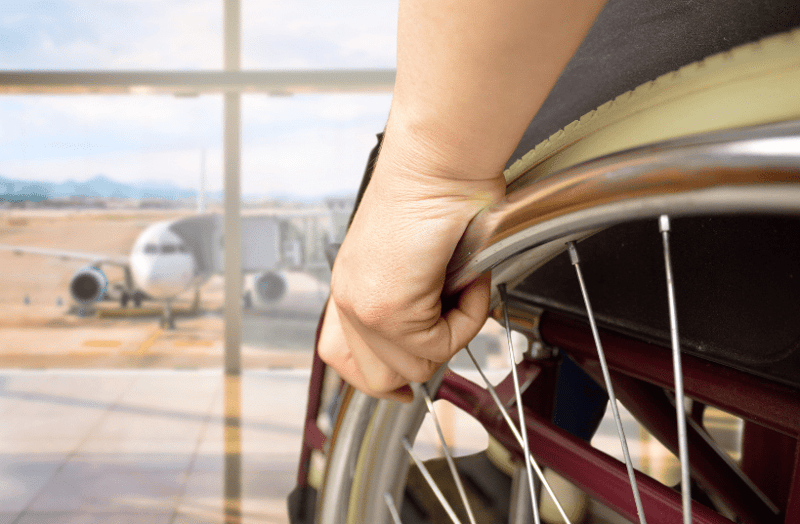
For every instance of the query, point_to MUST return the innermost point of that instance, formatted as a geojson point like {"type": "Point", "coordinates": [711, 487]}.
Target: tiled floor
{"type": "Point", "coordinates": [148, 446]}
{"type": "Point", "coordinates": [144, 446]}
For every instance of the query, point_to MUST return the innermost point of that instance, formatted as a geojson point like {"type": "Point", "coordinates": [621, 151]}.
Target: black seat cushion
{"type": "Point", "coordinates": [635, 41]}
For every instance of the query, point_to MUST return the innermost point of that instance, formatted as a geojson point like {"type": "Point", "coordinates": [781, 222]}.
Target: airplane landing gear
{"type": "Point", "coordinates": [247, 300]}
{"type": "Point", "coordinates": [195, 307]}
{"type": "Point", "coordinates": [168, 320]}
{"type": "Point", "coordinates": [126, 296]}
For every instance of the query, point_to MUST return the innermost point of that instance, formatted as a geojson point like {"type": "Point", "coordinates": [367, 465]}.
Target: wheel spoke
{"type": "Point", "coordinates": [680, 408]}
{"type": "Point", "coordinates": [519, 511]}
{"type": "Point", "coordinates": [432, 483]}
{"type": "Point", "coordinates": [573, 254]}
{"type": "Point", "coordinates": [392, 508]}
{"type": "Point", "coordinates": [518, 395]}
{"type": "Point", "coordinates": [448, 456]}
{"type": "Point", "coordinates": [517, 435]}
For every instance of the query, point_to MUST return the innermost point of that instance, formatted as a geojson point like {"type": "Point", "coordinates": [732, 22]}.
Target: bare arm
{"type": "Point", "coordinates": [470, 76]}
{"type": "Point", "coordinates": [472, 73]}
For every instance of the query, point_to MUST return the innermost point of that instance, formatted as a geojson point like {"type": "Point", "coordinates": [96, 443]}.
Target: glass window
{"type": "Point", "coordinates": [111, 34]}
{"type": "Point", "coordinates": [155, 142]}
{"type": "Point", "coordinates": [106, 169]}
{"type": "Point", "coordinates": [302, 162]}
{"type": "Point", "coordinates": [318, 34]}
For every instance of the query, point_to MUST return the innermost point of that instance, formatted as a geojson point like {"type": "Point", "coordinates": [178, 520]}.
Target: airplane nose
{"type": "Point", "coordinates": [165, 278]}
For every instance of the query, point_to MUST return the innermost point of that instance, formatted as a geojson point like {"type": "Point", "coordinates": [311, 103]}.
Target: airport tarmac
{"type": "Point", "coordinates": [268, 342]}
{"type": "Point", "coordinates": [40, 329]}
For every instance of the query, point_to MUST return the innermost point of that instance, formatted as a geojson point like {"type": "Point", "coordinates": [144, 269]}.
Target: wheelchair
{"type": "Point", "coordinates": [693, 179]}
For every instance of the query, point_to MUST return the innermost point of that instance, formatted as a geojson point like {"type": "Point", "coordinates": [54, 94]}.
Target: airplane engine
{"type": "Point", "coordinates": [286, 292]}
{"type": "Point", "coordinates": [88, 285]}
{"type": "Point", "coordinates": [270, 287]}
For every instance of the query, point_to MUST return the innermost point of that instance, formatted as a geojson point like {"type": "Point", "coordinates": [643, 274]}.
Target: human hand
{"type": "Point", "coordinates": [385, 325]}
{"type": "Point", "coordinates": [470, 77]}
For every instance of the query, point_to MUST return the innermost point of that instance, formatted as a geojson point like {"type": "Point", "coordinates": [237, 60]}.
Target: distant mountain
{"type": "Point", "coordinates": [99, 186]}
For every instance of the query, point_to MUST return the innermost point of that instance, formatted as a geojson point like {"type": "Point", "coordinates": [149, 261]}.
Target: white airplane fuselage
{"type": "Point", "coordinates": [160, 263]}
{"type": "Point", "coordinates": [171, 257]}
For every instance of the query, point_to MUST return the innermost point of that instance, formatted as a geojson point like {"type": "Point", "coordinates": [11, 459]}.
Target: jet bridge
{"type": "Point", "coordinates": [262, 242]}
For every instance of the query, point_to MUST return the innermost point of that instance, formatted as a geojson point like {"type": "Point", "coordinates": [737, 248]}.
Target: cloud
{"type": "Point", "coordinates": [326, 158]}
{"type": "Point", "coordinates": [31, 125]}
{"type": "Point", "coordinates": [315, 143]}
{"type": "Point", "coordinates": [319, 34]}
{"type": "Point", "coordinates": [187, 34]}
{"type": "Point", "coordinates": [80, 34]}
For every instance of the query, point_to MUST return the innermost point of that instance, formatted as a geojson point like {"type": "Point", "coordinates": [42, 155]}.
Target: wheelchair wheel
{"type": "Point", "coordinates": [715, 141]}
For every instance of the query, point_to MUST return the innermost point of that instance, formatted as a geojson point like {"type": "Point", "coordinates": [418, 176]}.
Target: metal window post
{"type": "Point", "coordinates": [233, 221]}
{"type": "Point", "coordinates": [233, 269]}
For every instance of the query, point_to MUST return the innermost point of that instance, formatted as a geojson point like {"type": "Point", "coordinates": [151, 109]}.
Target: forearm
{"type": "Point", "coordinates": [471, 74]}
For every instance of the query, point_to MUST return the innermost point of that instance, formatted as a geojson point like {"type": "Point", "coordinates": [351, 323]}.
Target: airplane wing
{"type": "Point", "coordinates": [93, 258]}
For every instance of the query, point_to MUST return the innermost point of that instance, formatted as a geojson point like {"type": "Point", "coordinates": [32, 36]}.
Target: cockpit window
{"type": "Point", "coordinates": [165, 249]}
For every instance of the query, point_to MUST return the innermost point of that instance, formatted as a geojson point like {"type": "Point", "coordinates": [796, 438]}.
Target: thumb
{"type": "Point", "coordinates": [470, 314]}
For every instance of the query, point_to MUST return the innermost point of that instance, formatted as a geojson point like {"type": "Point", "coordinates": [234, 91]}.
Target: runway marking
{"type": "Point", "coordinates": [79, 354]}
{"type": "Point", "coordinates": [102, 343]}
{"type": "Point", "coordinates": [189, 343]}
{"type": "Point", "coordinates": [149, 342]}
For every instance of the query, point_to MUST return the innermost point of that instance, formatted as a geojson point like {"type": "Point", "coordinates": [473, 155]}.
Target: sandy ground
{"type": "Point", "coordinates": [45, 279]}
{"type": "Point", "coordinates": [39, 328]}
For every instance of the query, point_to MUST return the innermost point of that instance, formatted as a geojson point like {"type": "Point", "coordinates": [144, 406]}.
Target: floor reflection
{"type": "Point", "coordinates": [233, 448]}
{"type": "Point", "coordinates": [148, 446]}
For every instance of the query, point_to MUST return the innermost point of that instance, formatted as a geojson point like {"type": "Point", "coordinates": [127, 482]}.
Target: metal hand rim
{"type": "Point", "coordinates": [743, 171]}
{"type": "Point", "coordinates": [754, 170]}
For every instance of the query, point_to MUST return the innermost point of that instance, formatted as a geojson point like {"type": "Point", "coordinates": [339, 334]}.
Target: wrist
{"type": "Point", "coordinates": [429, 147]}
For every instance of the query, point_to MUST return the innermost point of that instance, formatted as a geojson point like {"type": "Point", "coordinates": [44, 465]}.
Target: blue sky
{"type": "Point", "coordinates": [312, 145]}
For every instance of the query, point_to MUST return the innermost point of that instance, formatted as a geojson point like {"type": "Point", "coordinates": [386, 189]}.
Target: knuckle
{"type": "Point", "coordinates": [372, 310]}
{"type": "Point", "coordinates": [331, 346]}
{"type": "Point", "coordinates": [326, 354]}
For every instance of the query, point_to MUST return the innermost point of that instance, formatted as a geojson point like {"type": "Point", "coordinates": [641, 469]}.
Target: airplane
{"type": "Point", "coordinates": [173, 256]}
